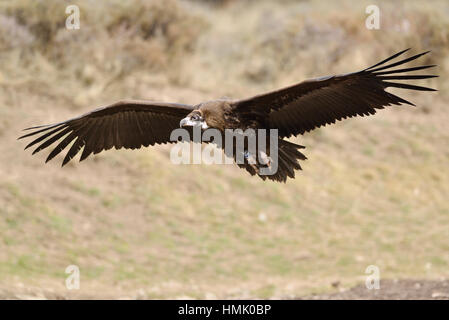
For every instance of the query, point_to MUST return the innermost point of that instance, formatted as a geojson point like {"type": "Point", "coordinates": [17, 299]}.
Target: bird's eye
{"type": "Point", "coordinates": [195, 117]}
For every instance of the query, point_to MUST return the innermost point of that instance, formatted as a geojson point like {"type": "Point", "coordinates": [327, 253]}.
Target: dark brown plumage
{"type": "Point", "coordinates": [292, 110]}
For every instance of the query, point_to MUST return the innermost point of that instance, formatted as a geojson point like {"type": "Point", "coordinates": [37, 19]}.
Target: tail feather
{"type": "Point", "coordinates": [288, 161]}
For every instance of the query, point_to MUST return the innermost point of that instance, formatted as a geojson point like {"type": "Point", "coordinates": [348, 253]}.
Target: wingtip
{"type": "Point", "coordinates": [35, 151]}
{"type": "Point", "coordinates": [381, 65]}
{"type": "Point", "coordinates": [36, 127]}
{"type": "Point", "coordinates": [397, 54]}
{"type": "Point", "coordinates": [403, 51]}
{"type": "Point", "coordinates": [23, 136]}
{"type": "Point", "coordinates": [65, 161]}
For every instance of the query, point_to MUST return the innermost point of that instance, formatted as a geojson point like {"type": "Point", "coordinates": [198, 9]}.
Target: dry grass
{"type": "Point", "coordinates": [372, 192]}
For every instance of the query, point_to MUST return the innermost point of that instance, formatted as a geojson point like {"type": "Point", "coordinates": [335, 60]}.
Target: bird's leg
{"type": "Point", "coordinates": [263, 156]}
{"type": "Point", "coordinates": [264, 159]}
{"type": "Point", "coordinates": [251, 160]}
{"type": "Point", "coordinates": [249, 157]}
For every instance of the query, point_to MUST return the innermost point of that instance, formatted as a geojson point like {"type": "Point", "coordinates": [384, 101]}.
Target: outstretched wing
{"type": "Point", "coordinates": [127, 124]}
{"type": "Point", "coordinates": [317, 102]}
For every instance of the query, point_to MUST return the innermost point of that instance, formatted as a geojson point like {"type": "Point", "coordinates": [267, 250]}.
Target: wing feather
{"type": "Point", "coordinates": [44, 136]}
{"type": "Point", "coordinates": [316, 102]}
{"type": "Point", "coordinates": [52, 139]}
{"type": "Point", "coordinates": [66, 141]}
{"type": "Point", "coordinates": [128, 124]}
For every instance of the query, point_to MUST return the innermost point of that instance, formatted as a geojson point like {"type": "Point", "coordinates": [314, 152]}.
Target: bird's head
{"type": "Point", "coordinates": [194, 119]}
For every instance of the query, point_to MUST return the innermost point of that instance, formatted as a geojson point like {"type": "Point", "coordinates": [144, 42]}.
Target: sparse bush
{"type": "Point", "coordinates": [114, 40]}
{"type": "Point", "coordinates": [275, 43]}
{"type": "Point", "coordinates": [13, 34]}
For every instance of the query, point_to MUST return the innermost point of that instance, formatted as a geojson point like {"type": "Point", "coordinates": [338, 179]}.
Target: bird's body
{"type": "Point", "coordinates": [291, 111]}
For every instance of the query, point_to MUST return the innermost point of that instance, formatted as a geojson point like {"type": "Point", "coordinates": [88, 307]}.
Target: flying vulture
{"type": "Point", "coordinates": [293, 110]}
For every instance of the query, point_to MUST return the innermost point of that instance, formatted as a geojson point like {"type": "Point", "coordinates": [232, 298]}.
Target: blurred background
{"type": "Point", "coordinates": [373, 190]}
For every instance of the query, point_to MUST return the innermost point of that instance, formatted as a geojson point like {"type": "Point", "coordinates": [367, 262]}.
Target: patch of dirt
{"type": "Point", "coordinates": [389, 290]}
{"type": "Point", "coordinates": [393, 290]}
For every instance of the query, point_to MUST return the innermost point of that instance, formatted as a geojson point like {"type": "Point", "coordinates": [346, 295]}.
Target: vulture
{"type": "Point", "coordinates": [292, 111]}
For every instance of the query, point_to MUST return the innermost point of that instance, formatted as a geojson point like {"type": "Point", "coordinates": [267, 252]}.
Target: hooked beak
{"type": "Point", "coordinates": [187, 122]}
{"type": "Point", "coordinates": [183, 122]}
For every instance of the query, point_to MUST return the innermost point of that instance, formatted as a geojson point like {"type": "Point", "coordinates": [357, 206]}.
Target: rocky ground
{"type": "Point", "coordinates": [393, 290]}
{"type": "Point", "coordinates": [405, 289]}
